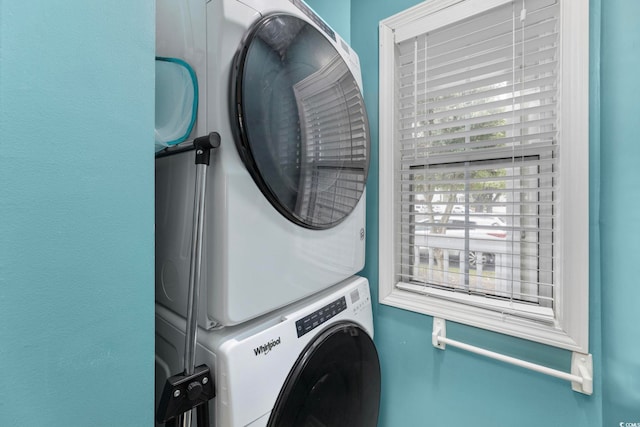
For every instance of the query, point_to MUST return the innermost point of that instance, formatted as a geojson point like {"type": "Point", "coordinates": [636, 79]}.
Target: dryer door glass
{"type": "Point", "coordinates": [335, 382]}
{"type": "Point", "coordinates": [300, 121]}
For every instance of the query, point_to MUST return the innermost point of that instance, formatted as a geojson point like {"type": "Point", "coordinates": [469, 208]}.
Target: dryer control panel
{"type": "Point", "coordinates": [320, 316]}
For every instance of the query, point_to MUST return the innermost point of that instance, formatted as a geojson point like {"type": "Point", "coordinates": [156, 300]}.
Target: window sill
{"type": "Point", "coordinates": [456, 308]}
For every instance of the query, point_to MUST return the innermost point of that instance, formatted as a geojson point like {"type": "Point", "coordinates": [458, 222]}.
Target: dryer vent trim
{"type": "Point", "coordinates": [266, 348]}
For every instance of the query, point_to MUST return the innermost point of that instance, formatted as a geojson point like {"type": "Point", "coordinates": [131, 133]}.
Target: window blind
{"type": "Point", "coordinates": [477, 158]}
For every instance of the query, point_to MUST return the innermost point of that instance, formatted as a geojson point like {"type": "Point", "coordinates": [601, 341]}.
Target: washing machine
{"type": "Point", "coordinates": [310, 364]}
{"type": "Point", "coordinates": [286, 189]}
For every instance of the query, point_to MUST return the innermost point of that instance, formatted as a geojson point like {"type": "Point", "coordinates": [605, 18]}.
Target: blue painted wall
{"type": "Point", "coordinates": [423, 386]}
{"type": "Point", "coordinates": [337, 13]}
{"type": "Point", "coordinates": [620, 211]}
{"type": "Point", "coordinates": [76, 233]}
{"type": "Point", "coordinates": [76, 210]}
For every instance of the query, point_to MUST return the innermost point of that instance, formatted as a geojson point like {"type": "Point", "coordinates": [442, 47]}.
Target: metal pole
{"type": "Point", "coordinates": [167, 413]}
{"type": "Point", "coordinates": [191, 333]}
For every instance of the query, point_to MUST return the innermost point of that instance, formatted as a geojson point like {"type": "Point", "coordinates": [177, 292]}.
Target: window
{"type": "Point", "coordinates": [484, 165]}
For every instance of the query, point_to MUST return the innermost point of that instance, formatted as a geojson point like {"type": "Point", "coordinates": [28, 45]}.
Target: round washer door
{"type": "Point", "coordinates": [334, 383]}
{"type": "Point", "coordinates": [300, 121]}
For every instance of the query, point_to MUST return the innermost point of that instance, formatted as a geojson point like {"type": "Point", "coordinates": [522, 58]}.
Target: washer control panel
{"type": "Point", "coordinates": [359, 300]}
{"type": "Point", "coordinates": [320, 316]}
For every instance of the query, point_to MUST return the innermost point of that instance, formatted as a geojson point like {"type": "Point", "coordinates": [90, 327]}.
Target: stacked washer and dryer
{"type": "Point", "coordinates": [285, 326]}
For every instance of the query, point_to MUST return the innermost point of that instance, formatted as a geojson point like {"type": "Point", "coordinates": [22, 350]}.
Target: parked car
{"type": "Point", "coordinates": [423, 209]}
{"type": "Point", "coordinates": [482, 220]}
{"type": "Point", "coordinates": [438, 209]}
{"type": "Point", "coordinates": [486, 235]}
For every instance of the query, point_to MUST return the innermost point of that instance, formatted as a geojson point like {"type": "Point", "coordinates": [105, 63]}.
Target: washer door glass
{"type": "Point", "coordinates": [300, 121]}
{"type": "Point", "coordinates": [335, 382]}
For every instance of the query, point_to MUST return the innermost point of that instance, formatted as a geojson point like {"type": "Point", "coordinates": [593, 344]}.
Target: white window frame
{"type": "Point", "coordinates": [570, 330]}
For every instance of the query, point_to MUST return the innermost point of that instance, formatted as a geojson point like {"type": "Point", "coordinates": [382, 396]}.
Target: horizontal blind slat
{"type": "Point", "coordinates": [537, 11]}
{"type": "Point", "coordinates": [540, 84]}
{"type": "Point", "coordinates": [476, 128]}
{"type": "Point", "coordinates": [505, 80]}
{"type": "Point", "coordinates": [500, 118]}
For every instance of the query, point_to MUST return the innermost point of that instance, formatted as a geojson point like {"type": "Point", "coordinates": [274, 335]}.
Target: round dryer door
{"type": "Point", "coordinates": [334, 383]}
{"type": "Point", "coordinates": [300, 122]}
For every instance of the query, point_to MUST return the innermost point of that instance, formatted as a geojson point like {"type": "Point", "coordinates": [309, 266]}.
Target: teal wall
{"type": "Point", "coordinates": [76, 210]}
{"type": "Point", "coordinates": [76, 233]}
{"type": "Point", "coordinates": [620, 210]}
{"type": "Point", "coordinates": [423, 386]}
{"type": "Point", "coordinates": [337, 13]}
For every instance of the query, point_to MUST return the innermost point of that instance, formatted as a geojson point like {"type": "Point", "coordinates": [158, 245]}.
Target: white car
{"type": "Point", "coordinates": [455, 209]}
{"type": "Point", "coordinates": [486, 235]}
{"type": "Point", "coordinates": [421, 209]}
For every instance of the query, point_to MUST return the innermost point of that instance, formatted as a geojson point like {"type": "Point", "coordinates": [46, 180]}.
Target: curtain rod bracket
{"type": "Point", "coordinates": [439, 331]}
{"type": "Point", "coordinates": [582, 366]}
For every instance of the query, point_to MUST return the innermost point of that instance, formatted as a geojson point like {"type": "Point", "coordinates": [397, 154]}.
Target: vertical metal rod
{"type": "Point", "coordinates": [467, 225]}
{"type": "Point", "coordinates": [194, 272]}
{"type": "Point", "coordinates": [191, 333]}
{"type": "Point", "coordinates": [184, 420]}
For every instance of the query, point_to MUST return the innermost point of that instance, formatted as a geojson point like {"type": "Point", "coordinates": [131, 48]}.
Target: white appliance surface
{"type": "Point", "coordinates": [251, 362]}
{"type": "Point", "coordinates": [253, 256]}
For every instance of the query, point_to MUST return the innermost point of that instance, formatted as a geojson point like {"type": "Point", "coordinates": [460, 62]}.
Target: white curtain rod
{"type": "Point", "coordinates": [581, 375]}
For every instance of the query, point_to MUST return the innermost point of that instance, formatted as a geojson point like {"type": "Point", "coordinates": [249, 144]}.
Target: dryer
{"type": "Point", "coordinates": [310, 364]}
{"type": "Point", "coordinates": [286, 191]}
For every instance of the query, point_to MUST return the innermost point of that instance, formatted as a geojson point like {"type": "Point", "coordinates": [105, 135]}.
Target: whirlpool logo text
{"type": "Point", "coordinates": [266, 348]}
